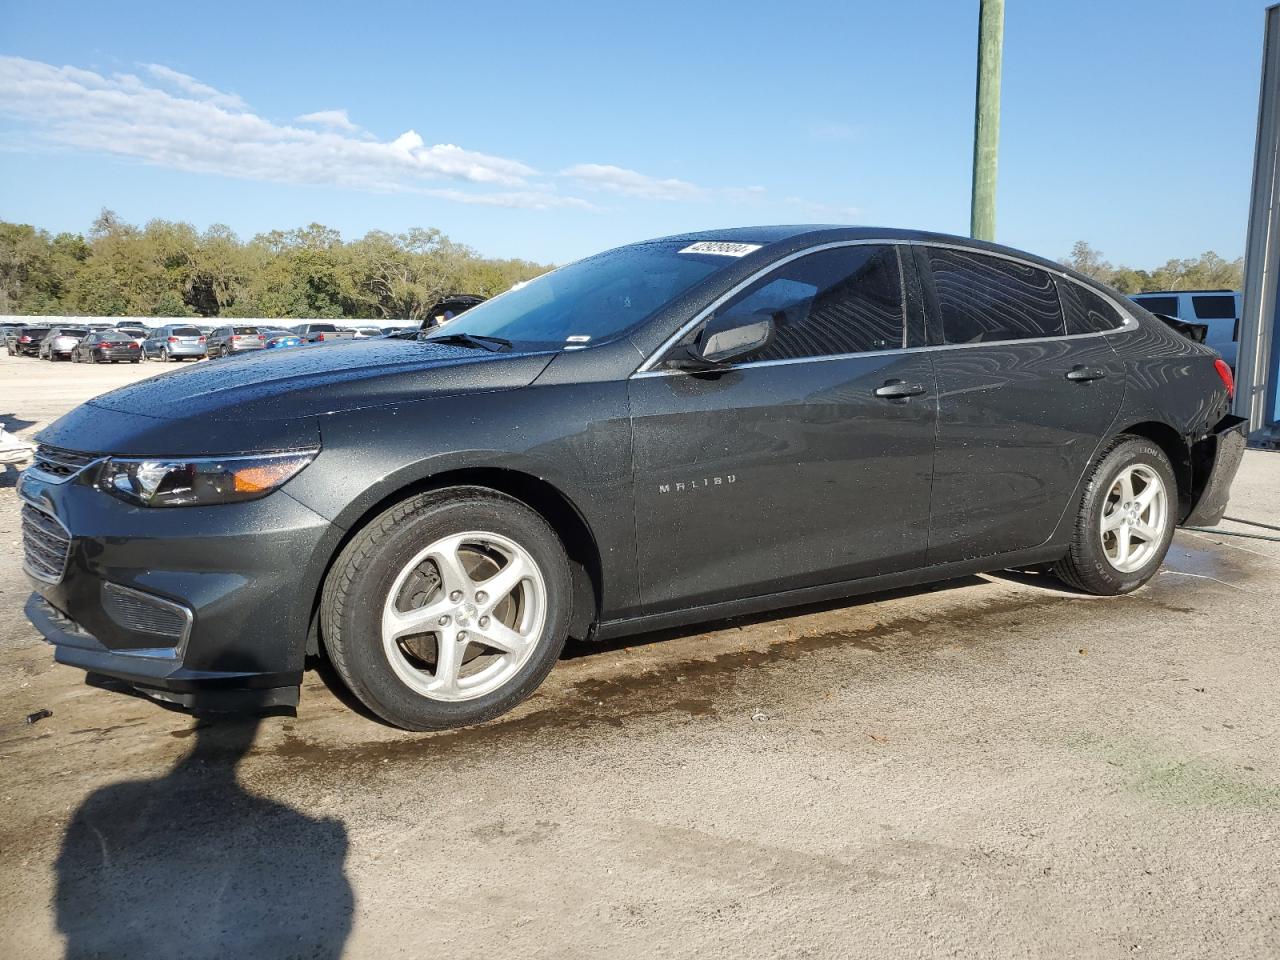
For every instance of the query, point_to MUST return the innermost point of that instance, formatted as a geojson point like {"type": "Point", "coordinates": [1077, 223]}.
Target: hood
{"type": "Point", "coordinates": [269, 399]}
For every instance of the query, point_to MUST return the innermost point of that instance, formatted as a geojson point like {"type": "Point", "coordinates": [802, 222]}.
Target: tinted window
{"type": "Point", "coordinates": [1165, 305]}
{"type": "Point", "coordinates": [72, 332]}
{"type": "Point", "coordinates": [322, 328]}
{"type": "Point", "coordinates": [184, 332]}
{"type": "Point", "coordinates": [1085, 311]}
{"type": "Point", "coordinates": [246, 330]}
{"type": "Point", "coordinates": [1214, 307]}
{"type": "Point", "coordinates": [846, 300]}
{"type": "Point", "coordinates": [33, 331]}
{"type": "Point", "coordinates": [985, 298]}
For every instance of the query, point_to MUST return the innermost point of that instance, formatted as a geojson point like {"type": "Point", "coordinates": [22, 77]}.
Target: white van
{"type": "Point", "coordinates": [1219, 310]}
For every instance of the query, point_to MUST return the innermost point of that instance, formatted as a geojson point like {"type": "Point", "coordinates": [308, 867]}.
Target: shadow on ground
{"type": "Point", "coordinates": [191, 864]}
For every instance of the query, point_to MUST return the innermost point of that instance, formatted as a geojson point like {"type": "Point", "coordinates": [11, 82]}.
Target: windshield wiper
{"type": "Point", "coordinates": [492, 344]}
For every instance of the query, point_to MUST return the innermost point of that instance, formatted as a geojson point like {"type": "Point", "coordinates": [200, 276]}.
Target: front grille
{"type": "Point", "coordinates": [143, 613]}
{"type": "Point", "coordinates": [58, 462]}
{"type": "Point", "coordinates": [45, 544]}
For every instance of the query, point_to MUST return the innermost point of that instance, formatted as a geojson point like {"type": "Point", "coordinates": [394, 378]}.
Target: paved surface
{"type": "Point", "coordinates": [994, 767]}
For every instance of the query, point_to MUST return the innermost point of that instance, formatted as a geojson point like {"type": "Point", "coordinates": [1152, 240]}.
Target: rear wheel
{"type": "Point", "coordinates": [164, 354]}
{"type": "Point", "coordinates": [448, 609]}
{"type": "Point", "coordinates": [1126, 520]}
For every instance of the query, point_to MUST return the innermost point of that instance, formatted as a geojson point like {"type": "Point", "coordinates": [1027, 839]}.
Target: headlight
{"type": "Point", "coordinates": [197, 481]}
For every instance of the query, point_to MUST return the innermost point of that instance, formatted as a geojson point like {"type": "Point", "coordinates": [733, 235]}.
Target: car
{"type": "Point", "coordinates": [225, 341]}
{"type": "Point", "coordinates": [364, 332]}
{"type": "Point", "coordinates": [680, 430]}
{"type": "Point", "coordinates": [1217, 310]}
{"type": "Point", "coordinates": [174, 341]}
{"type": "Point", "coordinates": [448, 307]}
{"type": "Point", "coordinates": [134, 332]}
{"type": "Point", "coordinates": [25, 341]}
{"type": "Point", "coordinates": [107, 346]}
{"type": "Point", "coordinates": [279, 339]}
{"type": "Point", "coordinates": [323, 332]}
{"type": "Point", "coordinates": [60, 341]}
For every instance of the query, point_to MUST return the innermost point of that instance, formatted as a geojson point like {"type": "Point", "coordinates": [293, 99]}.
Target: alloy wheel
{"type": "Point", "coordinates": [464, 615]}
{"type": "Point", "coordinates": [1133, 518]}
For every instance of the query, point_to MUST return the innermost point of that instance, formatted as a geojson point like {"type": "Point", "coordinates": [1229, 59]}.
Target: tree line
{"type": "Point", "coordinates": [1206, 272]}
{"type": "Point", "coordinates": [169, 269]}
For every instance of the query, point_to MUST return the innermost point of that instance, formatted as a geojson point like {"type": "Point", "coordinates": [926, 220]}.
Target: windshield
{"type": "Point", "coordinates": [593, 299]}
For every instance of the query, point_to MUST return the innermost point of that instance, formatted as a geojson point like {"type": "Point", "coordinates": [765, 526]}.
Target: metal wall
{"type": "Point", "coordinates": [1258, 366]}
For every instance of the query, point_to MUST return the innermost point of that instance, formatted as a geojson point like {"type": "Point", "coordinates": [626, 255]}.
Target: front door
{"type": "Point", "coordinates": [810, 462]}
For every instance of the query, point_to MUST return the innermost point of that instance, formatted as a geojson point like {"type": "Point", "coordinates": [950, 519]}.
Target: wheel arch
{"type": "Point", "coordinates": [1177, 449]}
{"type": "Point", "coordinates": [541, 496]}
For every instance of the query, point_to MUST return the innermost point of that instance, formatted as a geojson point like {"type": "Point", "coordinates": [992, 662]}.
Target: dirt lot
{"type": "Point", "coordinates": [993, 767]}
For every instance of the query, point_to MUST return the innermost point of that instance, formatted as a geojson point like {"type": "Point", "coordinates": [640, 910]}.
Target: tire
{"type": "Point", "coordinates": [134, 361]}
{"type": "Point", "coordinates": [1109, 564]}
{"type": "Point", "coordinates": [164, 355]}
{"type": "Point", "coordinates": [386, 562]}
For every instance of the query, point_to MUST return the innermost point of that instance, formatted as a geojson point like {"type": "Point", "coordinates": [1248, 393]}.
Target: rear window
{"type": "Point", "coordinates": [185, 332]}
{"type": "Point", "coordinates": [71, 332]}
{"type": "Point", "coordinates": [32, 331]}
{"type": "Point", "coordinates": [1086, 312]}
{"type": "Point", "coordinates": [1165, 305]}
{"type": "Point", "coordinates": [984, 299]}
{"type": "Point", "coordinates": [1214, 307]}
{"type": "Point", "coordinates": [241, 331]}
{"type": "Point", "coordinates": [322, 328]}
{"type": "Point", "coordinates": [113, 335]}
{"type": "Point", "coordinates": [132, 331]}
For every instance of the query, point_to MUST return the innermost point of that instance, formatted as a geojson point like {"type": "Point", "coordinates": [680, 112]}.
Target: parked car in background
{"type": "Point", "coordinates": [366, 331]}
{"type": "Point", "coordinates": [25, 341]}
{"type": "Point", "coordinates": [174, 341]}
{"type": "Point", "coordinates": [685, 429]}
{"type": "Point", "coordinates": [59, 342]}
{"type": "Point", "coordinates": [137, 333]}
{"type": "Point", "coordinates": [1217, 310]}
{"type": "Point", "coordinates": [225, 341]}
{"type": "Point", "coordinates": [107, 346]}
{"type": "Point", "coordinates": [278, 339]}
{"type": "Point", "coordinates": [322, 332]}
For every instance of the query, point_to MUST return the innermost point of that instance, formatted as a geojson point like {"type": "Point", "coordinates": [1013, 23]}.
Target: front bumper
{"type": "Point", "coordinates": [242, 575]}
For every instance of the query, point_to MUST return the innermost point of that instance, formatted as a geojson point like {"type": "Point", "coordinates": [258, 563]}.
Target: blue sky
{"type": "Point", "coordinates": [549, 131]}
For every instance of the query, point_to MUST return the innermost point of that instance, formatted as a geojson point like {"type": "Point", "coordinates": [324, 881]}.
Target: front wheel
{"type": "Point", "coordinates": [1126, 520]}
{"type": "Point", "coordinates": [448, 609]}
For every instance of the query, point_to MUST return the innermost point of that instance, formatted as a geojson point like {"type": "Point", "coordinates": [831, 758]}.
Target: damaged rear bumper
{"type": "Point", "coordinates": [1220, 453]}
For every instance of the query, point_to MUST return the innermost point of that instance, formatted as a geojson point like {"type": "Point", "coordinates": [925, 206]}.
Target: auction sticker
{"type": "Point", "coordinates": [722, 248]}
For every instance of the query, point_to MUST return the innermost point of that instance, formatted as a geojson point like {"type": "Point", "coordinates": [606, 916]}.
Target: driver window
{"type": "Point", "coordinates": [837, 301]}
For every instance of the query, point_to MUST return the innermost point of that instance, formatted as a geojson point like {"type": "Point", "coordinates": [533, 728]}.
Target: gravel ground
{"type": "Point", "coordinates": [992, 767]}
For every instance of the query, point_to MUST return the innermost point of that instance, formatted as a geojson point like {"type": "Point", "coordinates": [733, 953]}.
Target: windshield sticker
{"type": "Point", "coordinates": [722, 248]}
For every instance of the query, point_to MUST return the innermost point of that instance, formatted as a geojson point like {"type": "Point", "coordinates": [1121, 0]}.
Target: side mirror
{"type": "Point", "coordinates": [724, 339]}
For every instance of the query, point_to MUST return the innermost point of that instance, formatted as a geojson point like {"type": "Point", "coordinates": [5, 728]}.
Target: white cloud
{"type": "Point", "coordinates": [337, 119]}
{"type": "Point", "coordinates": [203, 130]}
{"type": "Point", "coordinates": [193, 87]}
{"type": "Point", "coordinates": [603, 176]}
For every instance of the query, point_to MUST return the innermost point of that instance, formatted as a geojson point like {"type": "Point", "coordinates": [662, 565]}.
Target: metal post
{"type": "Point", "coordinates": [1258, 363]}
{"type": "Point", "coordinates": [986, 124]}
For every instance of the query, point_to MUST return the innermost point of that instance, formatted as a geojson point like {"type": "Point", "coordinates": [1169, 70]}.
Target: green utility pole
{"type": "Point", "coordinates": [986, 124]}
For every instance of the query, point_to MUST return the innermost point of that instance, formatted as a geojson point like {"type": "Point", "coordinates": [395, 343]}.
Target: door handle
{"type": "Point", "coordinates": [1081, 374]}
{"type": "Point", "coordinates": [899, 390]}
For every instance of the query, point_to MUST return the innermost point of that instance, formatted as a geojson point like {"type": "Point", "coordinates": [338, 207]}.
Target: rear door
{"type": "Point", "coordinates": [1022, 402]}
{"type": "Point", "coordinates": [789, 470]}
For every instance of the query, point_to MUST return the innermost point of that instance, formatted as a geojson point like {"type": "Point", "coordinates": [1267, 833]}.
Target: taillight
{"type": "Point", "coordinates": [320, 337]}
{"type": "Point", "coordinates": [132, 345]}
{"type": "Point", "coordinates": [235, 336]}
{"type": "Point", "coordinates": [103, 344]}
{"type": "Point", "coordinates": [173, 339]}
{"type": "Point", "coordinates": [24, 339]}
{"type": "Point", "coordinates": [202, 339]}
{"type": "Point", "coordinates": [1228, 380]}
{"type": "Point", "coordinates": [262, 336]}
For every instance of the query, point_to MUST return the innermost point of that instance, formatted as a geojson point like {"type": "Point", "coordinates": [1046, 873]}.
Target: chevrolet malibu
{"type": "Point", "coordinates": [670, 432]}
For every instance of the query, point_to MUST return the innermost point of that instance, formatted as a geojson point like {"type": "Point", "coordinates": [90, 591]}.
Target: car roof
{"type": "Point", "coordinates": [806, 234]}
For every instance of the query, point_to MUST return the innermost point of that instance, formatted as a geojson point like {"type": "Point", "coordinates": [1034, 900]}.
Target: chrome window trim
{"type": "Point", "coordinates": [648, 367]}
